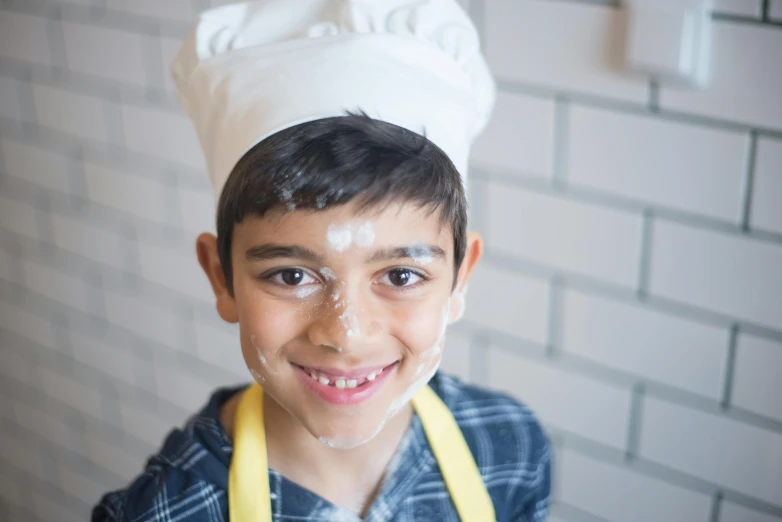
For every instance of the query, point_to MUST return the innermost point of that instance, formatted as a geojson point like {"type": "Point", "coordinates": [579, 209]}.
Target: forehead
{"type": "Point", "coordinates": [393, 224]}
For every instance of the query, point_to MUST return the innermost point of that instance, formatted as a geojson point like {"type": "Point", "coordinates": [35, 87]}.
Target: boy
{"type": "Point", "coordinates": [342, 254]}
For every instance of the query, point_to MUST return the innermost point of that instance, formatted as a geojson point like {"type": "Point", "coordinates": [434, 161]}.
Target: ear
{"type": "Point", "coordinates": [471, 257]}
{"type": "Point", "coordinates": [206, 249]}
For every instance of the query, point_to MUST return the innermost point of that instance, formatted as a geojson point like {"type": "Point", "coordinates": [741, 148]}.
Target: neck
{"type": "Point", "coordinates": [349, 478]}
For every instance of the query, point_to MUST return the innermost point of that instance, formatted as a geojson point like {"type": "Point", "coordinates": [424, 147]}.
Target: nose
{"type": "Point", "coordinates": [349, 319]}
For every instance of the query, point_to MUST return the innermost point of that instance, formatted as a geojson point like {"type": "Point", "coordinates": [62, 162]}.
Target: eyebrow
{"type": "Point", "coordinates": [275, 251]}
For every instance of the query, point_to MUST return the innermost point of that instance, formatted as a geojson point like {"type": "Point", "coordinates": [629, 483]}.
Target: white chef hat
{"type": "Point", "coordinates": [251, 69]}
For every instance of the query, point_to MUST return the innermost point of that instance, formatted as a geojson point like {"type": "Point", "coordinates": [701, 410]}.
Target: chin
{"type": "Point", "coordinates": [343, 431]}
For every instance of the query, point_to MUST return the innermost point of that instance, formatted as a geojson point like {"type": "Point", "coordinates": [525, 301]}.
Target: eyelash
{"type": "Point", "coordinates": [424, 279]}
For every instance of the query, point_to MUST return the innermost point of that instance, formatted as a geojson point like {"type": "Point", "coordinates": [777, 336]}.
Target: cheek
{"type": "Point", "coordinates": [422, 327]}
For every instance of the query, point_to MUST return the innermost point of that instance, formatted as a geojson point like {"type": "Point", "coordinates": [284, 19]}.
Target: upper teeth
{"type": "Point", "coordinates": [343, 382]}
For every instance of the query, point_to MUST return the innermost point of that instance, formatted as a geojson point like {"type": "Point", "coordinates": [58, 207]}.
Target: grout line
{"type": "Point", "coordinates": [716, 507]}
{"type": "Point", "coordinates": [556, 316]}
{"type": "Point", "coordinates": [479, 346]}
{"type": "Point", "coordinates": [644, 270]}
{"type": "Point", "coordinates": [561, 139]}
{"type": "Point", "coordinates": [730, 363]}
{"type": "Point", "coordinates": [749, 181]}
{"type": "Point", "coordinates": [654, 96]}
{"type": "Point", "coordinates": [765, 9]}
{"type": "Point", "coordinates": [634, 422]}
{"type": "Point", "coordinates": [743, 19]}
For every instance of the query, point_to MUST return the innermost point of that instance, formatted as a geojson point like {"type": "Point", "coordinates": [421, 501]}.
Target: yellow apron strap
{"type": "Point", "coordinates": [454, 457]}
{"type": "Point", "coordinates": [248, 478]}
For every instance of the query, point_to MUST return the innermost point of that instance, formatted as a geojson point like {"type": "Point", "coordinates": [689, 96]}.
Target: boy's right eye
{"type": "Point", "coordinates": [292, 277]}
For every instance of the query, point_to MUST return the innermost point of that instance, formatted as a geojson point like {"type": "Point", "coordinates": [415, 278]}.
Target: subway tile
{"type": "Point", "coordinates": [83, 487]}
{"type": "Point", "coordinates": [21, 453]}
{"type": "Point", "coordinates": [178, 387]}
{"type": "Point", "coordinates": [687, 167]}
{"type": "Point", "coordinates": [31, 326]}
{"type": "Point", "coordinates": [508, 302]}
{"type": "Point", "coordinates": [741, 59]}
{"type": "Point", "coordinates": [145, 319]}
{"type": "Point", "coordinates": [729, 274]}
{"type": "Point", "coordinates": [43, 425]}
{"type": "Point", "coordinates": [18, 217]}
{"type": "Point", "coordinates": [130, 192]}
{"type": "Point", "coordinates": [176, 10]}
{"type": "Point", "coordinates": [198, 210]}
{"type": "Point", "coordinates": [56, 285]}
{"type": "Point", "coordinates": [75, 394]}
{"type": "Point", "coordinates": [562, 399]}
{"type": "Point", "coordinates": [145, 425]}
{"type": "Point", "coordinates": [621, 494]}
{"type": "Point", "coordinates": [9, 490]}
{"type": "Point", "coordinates": [113, 456]}
{"type": "Point", "coordinates": [76, 114]}
{"type": "Point", "coordinates": [519, 136]}
{"type": "Point", "coordinates": [47, 508]}
{"type": "Point", "coordinates": [102, 355]}
{"type": "Point", "coordinates": [766, 207]}
{"type": "Point", "coordinates": [757, 379]}
{"type": "Point", "coordinates": [36, 165]}
{"type": "Point", "coordinates": [569, 235]}
{"type": "Point", "coordinates": [9, 98]}
{"type": "Point", "coordinates": [164, 135]}
{"type": "Point", "coordinates": [23, 37]}
{"type": "Point", "coordinates": [15, 365]}
{"type": "Point", "coordinates": [457, 356]}
{"type": "Point", "coordinates": [738, 7]}
{"type": "Point", "coordinates": [647, 343]}
{"type": "Point", "coordinates": [775, 10]}
{"type": "Point", "coordinates": [709, 446]}
{"type": "Point", "coordinates": [84, 239]}
{"type": "Point", "coordinates": [519, 47]}
{"type": "Point", "coordinates": [732, 512]}
{"type": "Point", "coordinates": [107, 53]}
{"type": "Point", "coordinates": [221, 347]}
{"type": "Point", "coordinates": [175, 270]}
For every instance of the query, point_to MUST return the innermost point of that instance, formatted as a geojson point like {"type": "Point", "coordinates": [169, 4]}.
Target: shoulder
{"type": "Point", "coordinates": [508, 442]}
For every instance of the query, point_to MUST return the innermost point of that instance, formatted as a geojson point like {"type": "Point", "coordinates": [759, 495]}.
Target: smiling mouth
{"type": "Point", "coordinates": [344, 382]}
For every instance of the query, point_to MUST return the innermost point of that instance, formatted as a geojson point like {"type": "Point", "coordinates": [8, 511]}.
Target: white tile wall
{"type": "Point", "coordinates": [703, 445]}
{"type": "Point", "coordinates": [23, 37]}
{"type": "Point", "coordinates": [591, 408]}
{"type": "Point", "coordinates": [520, 136]}
{"type": "Point", "coordinates": [164, 135]}
{"type": "Point", "coordinates": [622, 494]}
{"type": "Point", "coordinates": [757, 381]}
{"type": "Point", "coordinates": [648, 343]}
{"type": "Point", "coordinates": [522, 303]}
{"type": "Point", "coordinates": [694, 161]}
{"type": "Point", "coordinates": [687, 167]}
{"type": "Point", "coordinates": [737, 61]}
{"type": "Point", "coordinates": [520, 41]}
{"type": "Point", "coordinates": [738, 7]}
{"type": "Point", "coordinates": [728, 274]}
{"type": "Point", "coordinates": [767, 194]}
{"type": "Point", "coordinates": [9, 98]}
{"type": "Point", "coordinates": [586, 239]}
{"type": "Point", "coordinates": [36, 165]}
{"type": "Point", "coordinates": [109, 53]}
{"type": "Point", "coordinates": [76, 114]}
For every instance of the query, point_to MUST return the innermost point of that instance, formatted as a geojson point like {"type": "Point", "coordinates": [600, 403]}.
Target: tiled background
{"type": "Point", "coordinates": [631, 292]}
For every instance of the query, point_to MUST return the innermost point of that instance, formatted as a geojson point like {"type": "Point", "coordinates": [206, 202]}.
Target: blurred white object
{"type": "Point", "coordinates": [669, 40]}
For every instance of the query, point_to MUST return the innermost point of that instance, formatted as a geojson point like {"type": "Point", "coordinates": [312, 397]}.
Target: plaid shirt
{"type": "Point", "coordinates": [188, 480]}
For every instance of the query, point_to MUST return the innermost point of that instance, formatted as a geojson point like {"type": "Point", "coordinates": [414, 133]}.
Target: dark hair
{"type": "Point", "coordinates": [331, 161]}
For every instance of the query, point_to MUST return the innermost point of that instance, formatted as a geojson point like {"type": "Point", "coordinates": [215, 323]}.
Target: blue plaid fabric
{"type": "Point", "coordinates": [188, 480]}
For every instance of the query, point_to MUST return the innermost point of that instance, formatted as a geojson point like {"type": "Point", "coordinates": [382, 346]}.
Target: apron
{"type": "Point", "coordinates": [248, 479]}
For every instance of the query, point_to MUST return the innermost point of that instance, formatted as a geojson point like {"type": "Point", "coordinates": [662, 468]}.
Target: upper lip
{"type": "Point", "coordinates": [348, 374]}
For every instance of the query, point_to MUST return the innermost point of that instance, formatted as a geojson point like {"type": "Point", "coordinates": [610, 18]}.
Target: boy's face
{"type": "Point", "coordinates": [342, 315]}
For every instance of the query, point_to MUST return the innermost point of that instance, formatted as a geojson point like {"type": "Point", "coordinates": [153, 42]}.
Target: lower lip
{"type": "Point", "coordinates": [334, 395]}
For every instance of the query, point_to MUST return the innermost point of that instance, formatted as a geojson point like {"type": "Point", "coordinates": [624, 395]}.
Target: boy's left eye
{"type": "Point", "coordinates": [402, 277]}
{"type": "Point", "coordinates": [292, 277]}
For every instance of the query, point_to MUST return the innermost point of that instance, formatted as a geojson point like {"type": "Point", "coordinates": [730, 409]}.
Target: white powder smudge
{"type": "Point", "coordinates": [336, 514]}
{"type": "Point", "coordinates": [339, 237]}
{"type": "Point", "coordinates": [328, 274]}
{"type": "Point", "coordinates": [350, 322]}
{"type": "Point", "coordinates": [257, 376]}
{"type": "Point", "coordinates": [460, 303]}
{"type": "Point", "coordinates": [335, 296]}
{"type": "Point", "coordinates": [320, 202]}
{"type": "Point", "coordinates": [306, 291]}
{"type": "Point", "coordinates": [422, 255]}
{"type": "Point", "coordinates": [265, 363]}
{"type": "Point", "coordinates": [365, 235]}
